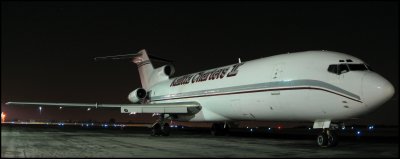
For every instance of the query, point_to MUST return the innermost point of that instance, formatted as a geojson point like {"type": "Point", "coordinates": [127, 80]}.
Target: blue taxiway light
{"type": "Point", "coordinates": [370, 127]}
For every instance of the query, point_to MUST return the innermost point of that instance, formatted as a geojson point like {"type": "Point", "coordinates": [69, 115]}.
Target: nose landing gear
{"type": "Point", "coordinates": [328, 138]}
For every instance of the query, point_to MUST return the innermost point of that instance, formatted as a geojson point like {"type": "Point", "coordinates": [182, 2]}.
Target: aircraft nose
{"type": "Point", "coordinates": [376, 90]}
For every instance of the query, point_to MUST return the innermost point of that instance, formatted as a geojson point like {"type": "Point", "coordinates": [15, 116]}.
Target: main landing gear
{"type": "Point", "coordinates": [328, 138]}
{"type": "Point", "coordinates": [219, 129]}
{"type": "Point", "coordinates": [160, 127]}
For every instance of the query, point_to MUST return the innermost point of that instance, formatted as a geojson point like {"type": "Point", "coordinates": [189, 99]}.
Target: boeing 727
{"type": "Point", "coordinates": [322, 87]}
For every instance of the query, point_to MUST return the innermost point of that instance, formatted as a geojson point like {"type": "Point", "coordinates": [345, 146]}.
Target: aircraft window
{"type": "Point", "coordinates": [343, 68]}
{"type": "Point", "coordinates": [348, 60]}
{"type": "Point", "coordinates": [333, 69]}
{"type": "Point", "coordinates": [341, 60]}
{"type": "Point", "coordinates": [357, 67]}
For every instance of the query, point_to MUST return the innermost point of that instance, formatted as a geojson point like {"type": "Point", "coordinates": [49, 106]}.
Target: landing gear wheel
{"type": "Point", "coordinates": [332, 139]}
{"type": "Point", "coordinates": [322, 140]}
{"type": "Point", "coordinates": [156, 130]}
{"type": "Point", "coordinates": [328, 138]}
{"type": "Point", "coordinates": [165, 130]}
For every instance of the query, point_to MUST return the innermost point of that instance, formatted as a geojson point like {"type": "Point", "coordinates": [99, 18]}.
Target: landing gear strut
{"type": "Point", "coordinates": [328, 138]}
{"type": "Point", "coordinates": [219, 129]}
{"type": "Point", "coordinates": [160, 128]}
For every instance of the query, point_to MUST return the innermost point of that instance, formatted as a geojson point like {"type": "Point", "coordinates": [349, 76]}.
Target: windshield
{"type": "Point", "coordinates": [343, 68]}
{"type": "Point", "coordinates": [357, 67]}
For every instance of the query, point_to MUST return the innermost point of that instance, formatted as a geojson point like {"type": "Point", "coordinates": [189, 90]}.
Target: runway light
{"type": "Point", "coordinates": [269, 129]}
{"type": "Point", "coordinates": [358, 133]}
{"type": "Point", "coordinates": [88, 109]}
{"type": "Point", "coordinates": [60, 108]}
{"type": "Point", "coordinates": [343, 128]}
{"type": "Point", "coordinates": [251, 130]}
{"type": "Point", "coordinates": [309, 128]}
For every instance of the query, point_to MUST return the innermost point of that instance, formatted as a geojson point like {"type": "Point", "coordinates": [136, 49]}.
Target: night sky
{"type": "Point", "coordinates": [47, 48]}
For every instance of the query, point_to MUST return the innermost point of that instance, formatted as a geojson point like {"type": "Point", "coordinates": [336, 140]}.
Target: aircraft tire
{"type": "Point", "coordinates": [322, 140]}
{"type": "Point", "coordinates": [165, 130]}
{"type": "Point", "coordinates": [332, 139]}
{"type": "Point", "coordinates": [156, 130]}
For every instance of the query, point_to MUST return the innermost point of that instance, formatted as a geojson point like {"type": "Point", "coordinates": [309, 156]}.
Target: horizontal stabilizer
{"type": "Point", "coordinates": [116, 57]}
{"type": "Point", "coordinates": [131, 56]}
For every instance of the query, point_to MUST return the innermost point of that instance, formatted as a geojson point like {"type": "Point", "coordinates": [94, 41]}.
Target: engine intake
{"type": "Point", "coordinates": [137, 95]}
{"type": "Point", "coordinates": [169, 70]}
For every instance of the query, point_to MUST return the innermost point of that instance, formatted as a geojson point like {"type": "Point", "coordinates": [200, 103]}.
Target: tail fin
{"type": "Point", "coordinates": [145, 67]}
{"type": "Point", "coordinates": [148, 75]}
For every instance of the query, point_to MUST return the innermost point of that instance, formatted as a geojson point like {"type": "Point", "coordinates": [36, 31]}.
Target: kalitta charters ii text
{"type": "Point", "coordinates": [204, 76]}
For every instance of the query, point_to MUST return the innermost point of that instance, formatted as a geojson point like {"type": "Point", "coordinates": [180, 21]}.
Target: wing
{"type": "Point", "coordinates": [165, 108]}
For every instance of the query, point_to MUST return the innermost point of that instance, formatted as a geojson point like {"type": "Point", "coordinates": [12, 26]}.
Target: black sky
{"type": "Point", "coordinates": [47, 48]}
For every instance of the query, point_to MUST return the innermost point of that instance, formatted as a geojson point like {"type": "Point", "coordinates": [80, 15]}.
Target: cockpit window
{"type": "Point", "coordinates": [357, 67]}
{"type": "Point", "coordinates": [333, 68]}
{"type": "Point", "coordinates": [343, 68]}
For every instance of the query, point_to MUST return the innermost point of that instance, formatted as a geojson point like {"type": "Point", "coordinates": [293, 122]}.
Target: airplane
{"type": "Point", "coordinates": [323, 87]}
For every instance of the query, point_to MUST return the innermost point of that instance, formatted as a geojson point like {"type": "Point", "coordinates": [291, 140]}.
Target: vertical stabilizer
{"type": "Point", "coordinates": [148, 75]}
{"type": "Point", "coordinates": [145, 67]}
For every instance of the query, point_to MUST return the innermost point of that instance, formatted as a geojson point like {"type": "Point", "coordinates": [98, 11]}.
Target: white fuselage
{"type": "Point", "coordinates": [286, 87]}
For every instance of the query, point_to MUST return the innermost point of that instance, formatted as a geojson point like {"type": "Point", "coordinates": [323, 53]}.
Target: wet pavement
{"type": "Point", "coordinates": [54, 142]}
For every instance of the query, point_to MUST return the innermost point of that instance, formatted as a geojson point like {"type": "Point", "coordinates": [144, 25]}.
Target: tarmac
{"type": "Point", "coordinates": [63, 142]}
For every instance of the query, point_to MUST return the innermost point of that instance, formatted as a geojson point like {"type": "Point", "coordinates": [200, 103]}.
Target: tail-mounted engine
{"type": "Point", "coordinates": [137, 95]}
{"type": "Point", "coordinates": [162, 73]}
{"type": "Point", "coordinates": [166, 70]}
